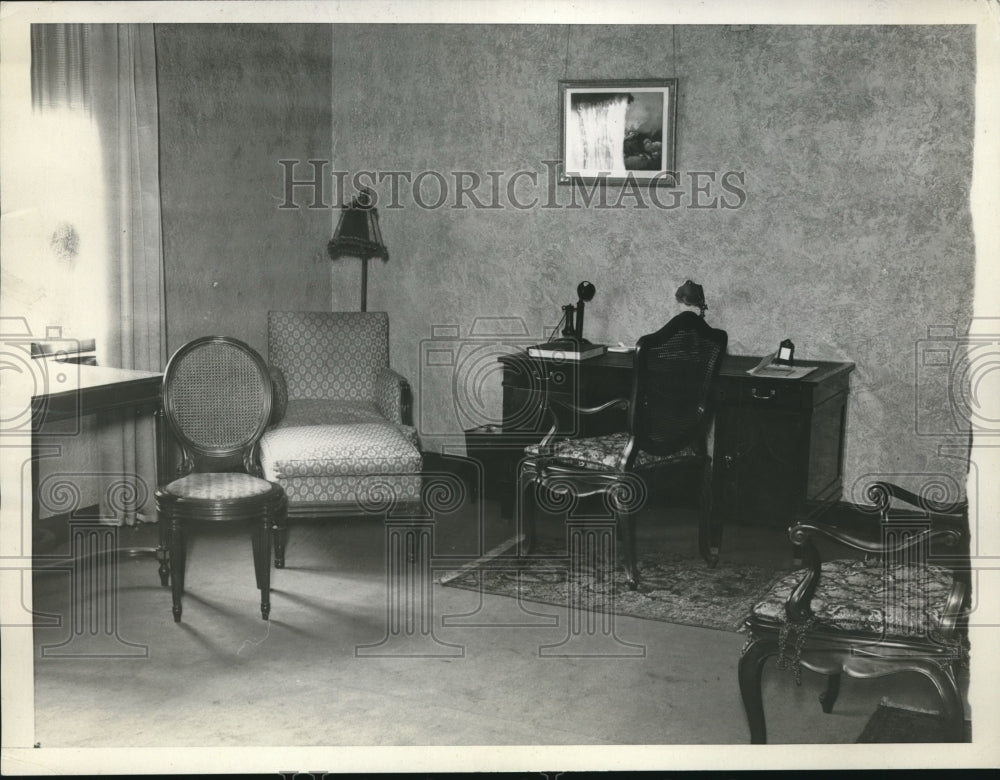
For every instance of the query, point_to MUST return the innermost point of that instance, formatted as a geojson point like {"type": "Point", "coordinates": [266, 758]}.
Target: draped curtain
{"type": "Point", "coordinates": [596, 135]}
{"type": "Point", "coordinates": [108, 71]}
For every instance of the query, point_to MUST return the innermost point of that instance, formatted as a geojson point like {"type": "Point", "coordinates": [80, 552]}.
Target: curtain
{"type": "Point", "coordinates": [109, 71]}
{"type": "Point", "coordinates": [60, 70]}
{"type": "Point", "coordinates": [596, 135]}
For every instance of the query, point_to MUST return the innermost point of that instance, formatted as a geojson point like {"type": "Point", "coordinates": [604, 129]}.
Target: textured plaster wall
{"type": "Point", "coordinates": [235, 99]}
{"type": "Point", "coordinates": [855, 237]}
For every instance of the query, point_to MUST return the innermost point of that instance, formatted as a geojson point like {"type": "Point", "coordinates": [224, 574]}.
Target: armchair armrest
{"type": "Point", "coordinates": [394, 397]}
{"type": "Point", "coordinates": [619, 403]}
{"type": "Point", "coordinates": [881, 495]}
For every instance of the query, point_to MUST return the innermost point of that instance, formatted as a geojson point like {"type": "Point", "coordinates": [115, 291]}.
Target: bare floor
{"type": "Point", "coordinates": [329, 668]}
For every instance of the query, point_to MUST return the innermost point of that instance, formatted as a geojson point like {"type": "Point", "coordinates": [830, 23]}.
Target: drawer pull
{"type": "Point", "coordinates": [762, 396]}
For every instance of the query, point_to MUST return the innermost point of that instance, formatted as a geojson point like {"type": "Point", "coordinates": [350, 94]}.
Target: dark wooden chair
{"type": "Point", "coordinates": [890, 612]}
{"type": "Point", "coordinates": [668, 416]}
{"type": "Point", "coordinates": [217, 397]}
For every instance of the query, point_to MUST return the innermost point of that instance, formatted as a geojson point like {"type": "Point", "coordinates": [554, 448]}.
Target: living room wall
{"type": "Point", "coordinates": [234, 100]}
{"type": "Point", "coordinates": [855, 149]}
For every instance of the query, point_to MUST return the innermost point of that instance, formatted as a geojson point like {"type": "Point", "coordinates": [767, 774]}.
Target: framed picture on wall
{"type": "Point", "coordinates": [612, 132]}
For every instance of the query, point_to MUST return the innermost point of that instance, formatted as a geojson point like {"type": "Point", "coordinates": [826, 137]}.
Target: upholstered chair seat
{"type": "Point", "coordinates": [217, 487]}
{"type": "Point", "coordinates": [603, 453]}
{"type": "Point", "coordinates": [863, 596]}
{"type": "Point", "coordinates": [344, 463]}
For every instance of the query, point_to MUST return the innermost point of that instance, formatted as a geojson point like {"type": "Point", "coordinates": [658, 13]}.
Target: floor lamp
{"type": "Point", "coordinates": [358, 235]}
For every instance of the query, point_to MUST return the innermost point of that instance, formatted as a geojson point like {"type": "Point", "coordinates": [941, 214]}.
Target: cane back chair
{"type": "Point", "coordinates": [668, 416]}
{"type": "Point", "coordinates": [217, 398]}
{"type": "Point", "coordinates": [888, 613]}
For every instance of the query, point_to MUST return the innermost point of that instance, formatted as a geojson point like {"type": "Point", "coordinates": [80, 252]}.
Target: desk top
{"type": "Point", "coordinates": [71, 389]}
{"type": "Point", "coordinates": [732, 365]}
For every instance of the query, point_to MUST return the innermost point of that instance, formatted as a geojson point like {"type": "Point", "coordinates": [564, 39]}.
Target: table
{"type": "Point", "coordinates": [73, 390]}
{"type": "Point", "coordinates": [778, 444]}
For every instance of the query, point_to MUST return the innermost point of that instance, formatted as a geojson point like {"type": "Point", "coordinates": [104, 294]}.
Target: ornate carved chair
{"type": "Point", "coordinates": [344, 444]}
{"type": "Point", "coordinates": [217, 398]}
{"type": "Point", "coordinates": [668, 417]}
{"type": "Point", "coordinates": [891, 612]}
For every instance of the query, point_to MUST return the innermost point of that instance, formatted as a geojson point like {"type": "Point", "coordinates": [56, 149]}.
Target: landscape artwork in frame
{"type": "Point", "coordinates": [613, 132]}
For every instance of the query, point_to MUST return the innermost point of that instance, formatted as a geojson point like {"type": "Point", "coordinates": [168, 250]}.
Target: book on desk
{"type": "Point", "coordinates": [567, 349]}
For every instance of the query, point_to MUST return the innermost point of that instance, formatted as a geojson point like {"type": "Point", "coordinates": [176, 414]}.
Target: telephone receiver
{"type": "Point", "coordinates": [573, 315]}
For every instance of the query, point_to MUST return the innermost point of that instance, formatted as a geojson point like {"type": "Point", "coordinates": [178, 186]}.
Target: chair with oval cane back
{"type": "Point", "coordinates": [217, 397]}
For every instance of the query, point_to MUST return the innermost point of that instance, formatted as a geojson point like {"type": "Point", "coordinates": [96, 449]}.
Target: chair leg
{"type": "Point", "coordinates": [625, 522]}
{"type": "Point", "coordinates": [709, 527]}
{"type": "Point", "coordinates": [280, 542]}
{"type": "Point", "coordinates": [261, 541]}
{"type": "Point", "coordinates": [526, 513]}
{"type": "Point", "coordinates": [751, 670]}
{"type": "Point", "coordinates": [178, 552]}
{"type": "Point", "coordinates": [951, 699]}
{"type": "Point", "coordinates": [163, 551]}
{"type": "Point", "coordinates": [829, 697]}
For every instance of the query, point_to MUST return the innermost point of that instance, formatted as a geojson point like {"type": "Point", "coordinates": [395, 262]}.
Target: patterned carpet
{"type": "Point", "coordinates": [894, 724]}
{"type": "Point", "coordinates": [673, 589]}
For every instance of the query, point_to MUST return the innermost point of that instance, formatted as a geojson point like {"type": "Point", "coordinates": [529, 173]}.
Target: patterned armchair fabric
{"type": "Point", "coordinates": [867, 596]}
{"type": "Point", "coordinates": [391, 397]}
{"type": "Point", "coordinates": [334, 355]}
{"type": "Point", "coordinates": [603, 453]}
{"type": "Point", "coordinates": [337, 357]}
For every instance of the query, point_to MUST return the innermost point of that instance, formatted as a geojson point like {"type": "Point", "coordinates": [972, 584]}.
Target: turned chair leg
{"type": "Point", "coordinates": [751, 670]}
{"type": "Point", "coordinates": [625, 522]}
{"type": "Point", "coordinates": [177, 554]}
{"type": "Point", "coordinates": [163, 551]}
{"type": "Point", "coordinates": [829, 697]}
{"type": "Point", "coordinates": [709, 525]}
{"type": "Point", "coordinates": [280, 542]}
{"type": "Point", "coordinates": [261, 541]}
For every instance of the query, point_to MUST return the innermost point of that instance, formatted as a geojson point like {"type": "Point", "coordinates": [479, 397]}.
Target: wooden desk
{"type": "Point", "coordinates": [78, 390]}
{"type": "Point", "coordinates": [92, 389]}
{"type": "Point", "coordinates": [778, 443]}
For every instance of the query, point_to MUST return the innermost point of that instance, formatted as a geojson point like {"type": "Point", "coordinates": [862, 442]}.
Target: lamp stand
{"type": "Point", "coordinates": [364, 284]}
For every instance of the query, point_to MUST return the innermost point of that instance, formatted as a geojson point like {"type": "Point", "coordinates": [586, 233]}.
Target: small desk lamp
{"type": "Point", "coordinates": [358, 235]}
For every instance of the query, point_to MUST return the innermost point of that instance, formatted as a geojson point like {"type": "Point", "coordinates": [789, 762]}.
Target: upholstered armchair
{"type": "Point", "coordinates": [340, 441]}
{"type": "Point", "coordinates": [900, 609]}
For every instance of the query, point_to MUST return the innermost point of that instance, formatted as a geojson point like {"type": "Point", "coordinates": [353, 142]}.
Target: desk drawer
{"type": "Point", "coordinates": [780, 394]}
{"type": "Point", "coordinates": [533, 375]}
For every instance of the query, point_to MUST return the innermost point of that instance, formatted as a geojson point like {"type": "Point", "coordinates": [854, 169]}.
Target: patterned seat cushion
{"type": "Point", "coordinates": [603, 453]}
{"type": "Point", "coordinates": [217, 487]}
{"type": "Point", "coordinates": [338, 450]}
{"type": "Point", "coordinates": [867, 597]}
{"type": "Point", "coordinates": [371, 492]}
{"type": "Point", "coordinates": [324, 411]}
